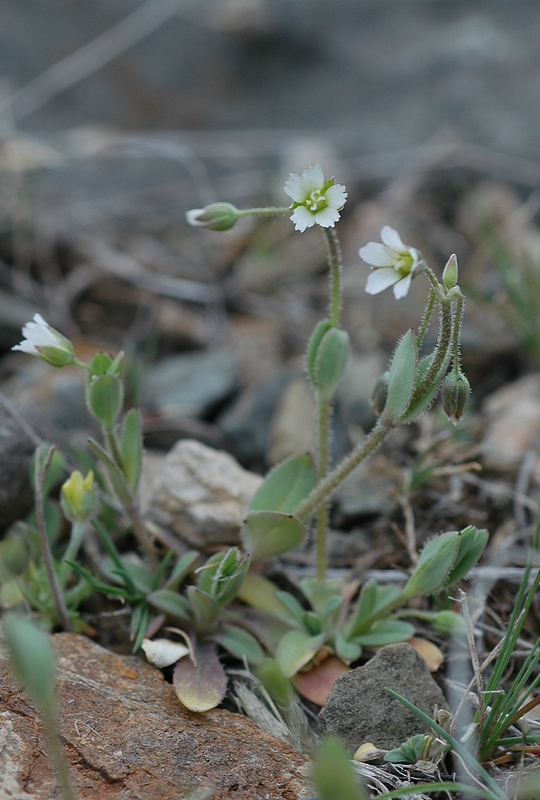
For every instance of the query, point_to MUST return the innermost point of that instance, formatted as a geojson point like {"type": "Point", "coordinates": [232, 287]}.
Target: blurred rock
{"type": "Point", "coordinates": [292, 428]}
{"type": "Point", "coordinates": [190, 385]}
{"type": "Point", "coordinates": [369, 490]}
{"type": "Point", "coordinates": [16, 449]}
{"type": "Point", "coordinates": [512, 423]}
{"type": "Point", "coordinates": [359, 710]}
{"type": "Point", "coordinates": [202, 495]}
{"type": "Point", "coordinates": [127, 736]}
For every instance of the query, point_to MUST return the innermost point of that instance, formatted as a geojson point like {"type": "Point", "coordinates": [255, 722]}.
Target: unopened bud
{"type": "Point", "coordinates": [450, 272]}
{"type": "Point", "coordinates": [78, 497]}
{"type": "Point", "coordinates": [216, 216]}
{"type": "Point", "coordinates": [380, 393]}
{"type": "Point", "coordinates": [46, 343]}
{"type": "Point", "coordinates": [449, 622]}
{"type": "Point", "coordinates": [455, 393]}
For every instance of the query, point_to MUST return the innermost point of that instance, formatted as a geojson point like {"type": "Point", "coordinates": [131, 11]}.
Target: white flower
{"type": "Point", "coordinates": [394, 263]}
{"type": "Point", "coordinates": [315, 201]}
{"type": "Point", "coordinates": [46, 343]}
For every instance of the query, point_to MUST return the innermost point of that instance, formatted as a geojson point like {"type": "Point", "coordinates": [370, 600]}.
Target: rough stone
{"type": "Point", "coordinates": [16, 449]}
{"type": "Point", "coordinates": [127, 737]}
{"type": "Point", "coordinates": [359, 710]}
{"type": "Point", "coordinates": [512, 416]}
{"type": "Point", "coordinates": [202, 495]}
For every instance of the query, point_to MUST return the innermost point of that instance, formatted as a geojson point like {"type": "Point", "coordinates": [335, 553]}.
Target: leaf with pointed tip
{"type": "Point", "coordinates": [131, 447]}
{"type": "Point", "coordinates": [347, 651]}
{"type": "Point", "coordinates": [389, 632]}
{"type": "Point", "coordinates": [260, 593]}
{"type": "Point", "coordinates": [172, 604]}
{"type": "Point", "coordinates": [401, 379]}
{"type": "Point", "coordinates": [269, 533]}
{"type": "Point", "coordinates": [240, 643]}
{"type": "Point", "coordinates": [434, 565]}
{"type": "Point", "coordinates": [200, 686]}
{"type": "Point", "coordinates": [118, 479]}
{"type": "Point", "coordinates": [296, 649]}
{"type": "Point", "coordinates": [286, 486]}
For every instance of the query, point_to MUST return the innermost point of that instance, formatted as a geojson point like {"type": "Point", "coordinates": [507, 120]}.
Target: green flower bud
{"type": "Point", "coordinates": [78, 497]}
{"type": "Point", "coordinates": [379, 395]}
{"type": "Point", "coordinates": [46, 343]}
{"type": "Point", "coordinates": [216, 216]}
{"type": "Point", "coordinates": [450, 272]}
{"type": "Point", "coordinates": [330, 362]}
{"type": "Point", "coordinates": [223, 575]}
{"type": "Point", "coordinates": [448, 622]}
{"type": "Point", "coordinates": [455, 394]}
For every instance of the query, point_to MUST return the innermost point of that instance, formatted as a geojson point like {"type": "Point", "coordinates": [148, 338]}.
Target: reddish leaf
{"type": "Point", "coordinates": [202, 686]}
{"type": "Point", "coordinates": [316, 684]}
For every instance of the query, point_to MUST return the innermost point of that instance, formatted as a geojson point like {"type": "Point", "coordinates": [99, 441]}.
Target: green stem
{"type": "Point", "coordinates": [440, 355]}
{"type": "Point", "coordinates": [458, 319]}
{"type": "Point", "coordinates": [324, 408]}
{"type": "Point", "coordinates": [59, 760]}
{"type": "Point", "coordinates": [336, 269]}
{"type": "Point", "coordinates": [54, 583]}
{"type": "Point", "coordinates": [78, 530]}
{"type": "Point", "coordinates": [325, 487]}
{"type": "Point", "coordinates": [426, 319]}
{"type": "Point", "coordinates": [139, 528]}
{"type": "Point", "coordinates": [269, 211]}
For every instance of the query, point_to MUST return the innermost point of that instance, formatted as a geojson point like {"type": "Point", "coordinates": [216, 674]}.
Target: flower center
{"type": "Point", "coordinates": [403, 264]}
{"type": "Point", "coordinates": [315, 201]}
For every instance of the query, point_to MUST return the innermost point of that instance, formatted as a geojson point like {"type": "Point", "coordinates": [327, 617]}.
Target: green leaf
{"type": "Point", "coordinates": [472, 542]}
{"type": "Point", "coordinates": [118, 479]}
{"type": "Point", "coordinates": [276, 684]}
{"type": "Point", "coordinates": [32, 660]}
{"type": "Point", "coordinates": [104, 396]}
{"type": "Point", "coordinates": [315, 339]}
{"type": "Point", "coordinates": [427, 397]}
{"type": "Point", "coordinates": [290, 602]}
{"type": "Point", "coordinates": [269, 533]}
{"type": "Point", "coordinates": [286, 486]}
{"type": "Point", "coordinates": [239, 643]}
{"type": "Point", "coordinates": [401, 379]}
{"type": "Point", "coordinates": [295, 650]}
{"type": "Point", "coordinates": [100, 364]}
{"type": "Point", "coordinates": [333, 773]}
{"type": "Point", "coordinates": [409, 752]}
{"type": "Point", "coordinates": [131, 447]}
{"type": "Point", "coordinates": [203, 685]}
{"type": "Point", "coordinates": [100, 586]}
{"type": "Point", "coordinates": [205, 610]}
{"type": "Point", "coordinates": [434, 565]}
{"type": "Point", "coordinates": [330, 363]}
{"type": "Point", "coordinates": [346, 650]}
{"type": "Point", "coordinates": [139, 624]}
{"type": "Point", "coordinates": [389, 632]}
{"type": "Point", "coordinates": [260, 593]}
{"type": "Point", "coordinates": [171, 603]}
{"type": "Point", "coordinates": [181, 569]}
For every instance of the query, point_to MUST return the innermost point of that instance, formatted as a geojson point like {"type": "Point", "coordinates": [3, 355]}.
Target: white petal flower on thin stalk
{"type": "Point", "coordinates": [316, 201]}
{"type": "Point", "coordinates": [46, 343]}
{"type": "Point", "coordinates": [393, 263]}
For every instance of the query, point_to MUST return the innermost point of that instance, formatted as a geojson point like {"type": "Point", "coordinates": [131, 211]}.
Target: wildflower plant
{"type": "Point", "coordinates": [280, 633]}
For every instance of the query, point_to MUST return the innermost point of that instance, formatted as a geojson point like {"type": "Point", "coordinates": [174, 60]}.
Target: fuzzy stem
{"type": "Point", "coordinates": [336, 269]}
{"type": "Point", "coordinates": [426, 319]}
{"type": "Point", "coordinates": [458, 319]}
{"type": "Point", "coordinates": [268, 211]}
{"type": "Point", "coordinates": [324, 409]}
{"type": "Point", "coordinates": [325, 487]}
{"type": "Point", "coordinates": [444, 341]}
{"type": "Point", "coordinates": [54, 583]}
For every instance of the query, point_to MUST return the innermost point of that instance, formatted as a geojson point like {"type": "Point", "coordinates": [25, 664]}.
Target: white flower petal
{"type": "Point", "coordinates": [313, 178]}
{"type": "Point", "coordinates": [295, 188]}
{"type": "Point", "coordinates": [302, 219]}
{"type": "Point", "coordinates": [327, 217]}
{"type": "Point", "coordinates": [376, 254]}
{"type": "Point", "coordinates": [392, 239]}
{"type": "Point", "coordinates": [402, 287]}
{"type": "Point", "coordinates": [336, 196]}
{"type": "Point", "coordinates": [381, 279]}
{"type": "Point", "coordinates": [192, 216]}
{"type": "Point", "coordinates": [163, 652]}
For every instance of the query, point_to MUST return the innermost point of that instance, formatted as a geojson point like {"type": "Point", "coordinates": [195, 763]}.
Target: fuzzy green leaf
{"type": "Point", "coordinates": [295, 650]}
{"type": "Point", "coordinates": [401, 379]}
{"type": "Point", "coordinates": [286, 486]}
{"type": "Point", "coordinates": [239, 643]}
{"type": "Point", "coordinates": [389, 632]}
{"type": "Point", "coordinates": [434, 565]}
{"type": "Point", "coordinates": [269, 533]}
{"type": "Point", "coordinates": [131, 447]}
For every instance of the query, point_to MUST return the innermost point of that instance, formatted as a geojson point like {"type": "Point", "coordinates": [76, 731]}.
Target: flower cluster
{"type": "Point", "coordinates": [316, 201]}
{"type": "Point", "coordinates": [394, 263]}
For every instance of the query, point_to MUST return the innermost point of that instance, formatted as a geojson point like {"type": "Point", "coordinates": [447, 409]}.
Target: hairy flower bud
{"type": "Point", "coordinates": [455, 393]}
{"type": "Point", "coordinates": [450, 272]}
{"type": "Point", "coordinates": [216, 216]}
{"type": "Point", "coordinates": [78, 497]}
{"type": "Point", "coordinates": [46, 343]}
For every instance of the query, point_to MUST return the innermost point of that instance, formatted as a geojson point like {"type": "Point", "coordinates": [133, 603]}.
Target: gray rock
{"type": "Point", "coordinates": [202, 495]}
{"type": "Point", "coordinates": [16, 449]}
{"type": "Point", "coordinates": [359, 710]}
{"type": "Point", "coordinates": [190, 385]}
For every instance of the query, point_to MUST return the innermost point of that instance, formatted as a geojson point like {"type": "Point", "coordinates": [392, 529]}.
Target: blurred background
{"type": "Point", "coordinates": [117, 116]}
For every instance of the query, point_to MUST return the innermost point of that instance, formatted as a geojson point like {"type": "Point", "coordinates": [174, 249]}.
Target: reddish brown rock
{"type": "Point", "coordinates": [127, 737]}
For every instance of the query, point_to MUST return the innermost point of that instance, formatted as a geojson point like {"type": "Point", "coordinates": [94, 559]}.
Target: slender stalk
{"type": "Point", "coordinates": [458, 318]}
{"type": "Point", "coordinates": [324, 408]}
{"type": "Point", "coordinates": [325, 488]}
{"type": "Point", "coordinates": [270, 211]}
{"type": "Point", "coordinates": [336, 270]}
{"type": "Point", "coordinates": [59, 761]}
{"type": "Point", "coordinates": [78, 530]}
{"type": "Point", "coordinates": [426, 319]}
{"type": "Point", "coordinates": [139, 528]}
{"type": "Point", "coordinates": [54, 583]}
